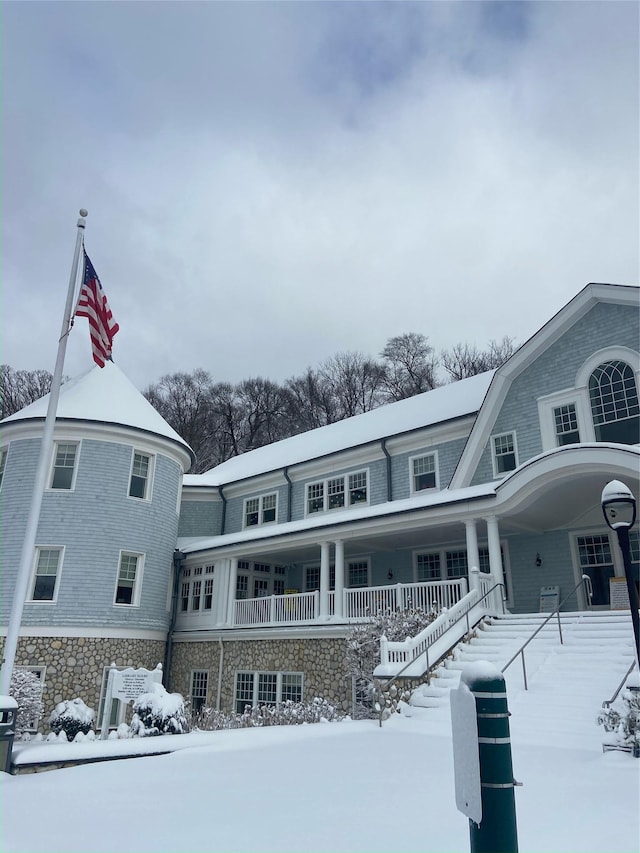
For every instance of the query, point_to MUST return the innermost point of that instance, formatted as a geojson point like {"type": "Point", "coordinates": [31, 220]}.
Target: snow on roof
{"type": "Point", "coordinates": [441, 404]}
{"type": "Point", "coordinates": [106, 395]}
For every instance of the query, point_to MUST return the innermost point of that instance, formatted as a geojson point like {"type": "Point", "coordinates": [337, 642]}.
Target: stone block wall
{"type": "Point", "coordinates": [322, 661]}
{"type": "Point", "coordinates": [75, 665]}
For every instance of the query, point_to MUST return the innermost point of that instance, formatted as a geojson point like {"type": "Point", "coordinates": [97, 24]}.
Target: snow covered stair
{"type": "Point", "coordinates": [574, 677]}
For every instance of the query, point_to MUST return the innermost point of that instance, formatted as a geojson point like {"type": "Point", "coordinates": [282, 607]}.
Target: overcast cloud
{"type": "Point", "coordinates": [271, 183]}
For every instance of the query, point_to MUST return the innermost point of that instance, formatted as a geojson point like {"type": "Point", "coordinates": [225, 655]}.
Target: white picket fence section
{"type": "Point", "coordinates": [357, 604]}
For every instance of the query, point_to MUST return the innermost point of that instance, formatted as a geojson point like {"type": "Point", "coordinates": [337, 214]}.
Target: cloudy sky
{"type": "Point", "coordinates": [271, 183]}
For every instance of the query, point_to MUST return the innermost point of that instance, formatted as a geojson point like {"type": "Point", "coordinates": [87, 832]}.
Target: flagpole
{"type": "Point", "coordinates": [28, 545]}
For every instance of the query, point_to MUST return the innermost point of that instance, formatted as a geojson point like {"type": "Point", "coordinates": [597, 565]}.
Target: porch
{"type": "Point", "coordinates": [354, 605]}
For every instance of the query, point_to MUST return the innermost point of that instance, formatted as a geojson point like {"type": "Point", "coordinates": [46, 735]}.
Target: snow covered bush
{"type": "Point", "coordinates": [158, 713]}
{"type": "Point", "coordinates": [286, 714]}
{"type": "Point", "coordinates": [623, 726]}
{"type": "Point", "coordinates": [363, 649]}
{"type": "Point", "coordinates": [26, 689]}
{"type": "Point", "coordinates": [71, 717]}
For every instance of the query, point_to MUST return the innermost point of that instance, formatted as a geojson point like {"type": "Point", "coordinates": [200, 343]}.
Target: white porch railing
{"type": "Point", "coordinates": [357, 604]}
{"type": "Point", "coordinates": [415, 655]}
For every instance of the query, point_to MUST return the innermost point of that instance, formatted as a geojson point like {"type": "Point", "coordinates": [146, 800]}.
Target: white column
{"type": "Point", "coordinates": [220, 591]}
{"type": "Point", "coordinates": [324, 580]}
{"type": "Point", "coordinates": [473, 555]}
{"type": "Point", "coordinates": [495, 557]}
{"type": "Point", "coordinates": [339, 592]}
{"type": "Point", "coordinates": [231, 601]}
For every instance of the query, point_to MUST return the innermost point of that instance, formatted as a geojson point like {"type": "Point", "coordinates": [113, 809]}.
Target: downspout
{"type": "Point", "coordinates": [383, 447]}
{"type": "Point", "coordinates": [285, 471]}
{"type": "Point", "coordinates": [224, 510]}
{"type": "Point", "coordinates": [221, 660]}
{"type": "Point", "coordinates": [178, 559]}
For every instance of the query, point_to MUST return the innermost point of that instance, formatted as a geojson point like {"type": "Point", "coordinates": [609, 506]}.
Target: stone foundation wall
{"type": "Point", "coordinates": [321, 660]}
{"type": "Point", "coordinates": [75, 665]}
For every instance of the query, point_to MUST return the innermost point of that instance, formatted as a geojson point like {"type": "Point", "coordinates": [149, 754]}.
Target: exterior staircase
{"type": "Point", "coordinates": [567, 682]}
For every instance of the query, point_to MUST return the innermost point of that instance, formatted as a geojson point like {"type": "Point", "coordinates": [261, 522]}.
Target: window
{"type": "Point", "coordinates": [424, 473]}
{"type": "Point", "coordinates": [207, 603]}
{"type": "Point", "coordinates": [196, 589]}
{"type": "Point", "coordinates": [3, 459]}
{"type": "Point", "coordinates": [339, 492]}
{"type": "Point", "coordinates": [185, 589]}
{"type": "Point", "coordinates": [312, 578]}
{"type": "Point", "coordinates": [358, 573]}
{"type": "Point", "coordinates": [428, 567]}
{"type": "Point", "coordinates": [278, 586]}
{"type": "Point", "coordinates": [64, 463]}
{"type": "Point", "coordinates": [358, 488]}
{"type": "Point", "coordinates": [129, 579]}
{"type": "Point", "coordinates": [614, 403]}
{"type": "Point", "coordinates": [315, 497]}
{"type": "Point", "coordinates": [46, 574]}
{"type": "Point", "coordinates": [242, 586]}
{"type": "Point", "coordinates": [260, 510]}
{"type": "Point", "coordinates": [504, 453]}
{"type": "Point", "coordinates": [456, 564]}
{"type": "Point", "coordinates": [199, 685]}
{"type": "Point", "coordinates": [266, 688]}
{"type": "Point", "coordinates": [565, 421]}
{"type": "Point", "coordinates": [140, 476]}
{"type": "Point", "coordinates": [260, 587]}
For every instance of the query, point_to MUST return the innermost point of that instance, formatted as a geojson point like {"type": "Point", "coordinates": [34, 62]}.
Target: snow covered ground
{"type": "Point", "coordinates": [343, 787]}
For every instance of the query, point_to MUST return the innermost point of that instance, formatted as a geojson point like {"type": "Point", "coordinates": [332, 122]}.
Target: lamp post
{"type": "Point", "coordinates": [619, 510]}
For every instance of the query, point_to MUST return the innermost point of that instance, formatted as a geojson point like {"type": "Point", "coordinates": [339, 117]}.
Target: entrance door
{"type": "Point", "coordinates": [596, 561]}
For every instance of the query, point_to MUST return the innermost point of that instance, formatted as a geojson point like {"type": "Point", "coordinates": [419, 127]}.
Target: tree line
{"type": "Point", "coordinates": [220, 420]}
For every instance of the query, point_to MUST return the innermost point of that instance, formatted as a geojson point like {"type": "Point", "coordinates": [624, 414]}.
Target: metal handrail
{"type": "Point", "coordinates": [556, 612]}
{"type": "Point", "coordinates": [610, 702]}
{"type": "Point", "coordinates": [464, 615]}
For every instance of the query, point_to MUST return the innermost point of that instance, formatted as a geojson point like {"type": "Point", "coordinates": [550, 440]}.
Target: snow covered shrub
{"type": "Point", "coordinates": [71, 717]}
{"type": "Point", "coordinates": [286, 714]}
{"type": "Point", "coordinates": [623, 726]}
{"type": "Point", "coordinates": [158, 713]}
{"type": "Point", "coordinates": [363, 649]}
{"type": "Point", "coordinates": [26, 689]}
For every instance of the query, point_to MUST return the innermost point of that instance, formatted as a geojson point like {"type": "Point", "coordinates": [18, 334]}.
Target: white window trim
{"type": "Point", "coordinates": [152, 468]}
{"type": "Point", "coordinates": [348, 563]}
{"type": "Point", "coordinates": [498, 475]}
{"type": "Point", "coordinates": [256, 674]}
{"type": "Point", "coordinates": [52, 467]}
{"type": "Point", "coordinates": [325, 481]}
{"type": "Point", "coordinates": [546, 406]}
{"type": "Point", "coordinates": [137, 588]}
{"type": "Point", "coordinates": [32, 585]}
{"type": "Point", "coordinates": [206, 693]}
{"type": "Point", "coordinates": [412, 459]}
{"type": "Point", "coordinates": [260, 499]}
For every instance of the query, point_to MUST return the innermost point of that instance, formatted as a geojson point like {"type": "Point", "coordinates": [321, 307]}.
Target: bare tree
{"type": "Point", "coordinates": [18, 388]}
{"type": "Point", "coordinates": [464, 359]}
{"type": "Point", "coordinates": [409, 366]}
{"type": "Point", "coordinates": [355, 383]}
{"type": "Point", "coordinates": [311, 402]}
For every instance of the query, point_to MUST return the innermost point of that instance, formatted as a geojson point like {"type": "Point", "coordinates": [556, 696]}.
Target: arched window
{"type": "Point", "coordinates": [614, 403]}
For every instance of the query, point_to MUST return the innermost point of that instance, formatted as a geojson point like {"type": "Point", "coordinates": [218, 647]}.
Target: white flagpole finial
{"type": "Point", "coordinates": [83, 212]}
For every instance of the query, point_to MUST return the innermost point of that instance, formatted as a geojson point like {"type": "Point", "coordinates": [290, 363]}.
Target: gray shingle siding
{"type": "Point", "coordinates": [555, 369]}
{"type": "Point", "coordinates": [95, 522]}
{"type": "Point", "coordinates": [200, 518]}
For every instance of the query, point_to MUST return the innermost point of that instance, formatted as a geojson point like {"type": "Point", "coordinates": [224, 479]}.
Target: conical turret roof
{"type": "Point", "coordinates": [103, 395]}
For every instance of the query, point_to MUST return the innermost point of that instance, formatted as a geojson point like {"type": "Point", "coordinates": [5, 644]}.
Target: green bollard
{"type": "Point", "coordinates": [496, 831]}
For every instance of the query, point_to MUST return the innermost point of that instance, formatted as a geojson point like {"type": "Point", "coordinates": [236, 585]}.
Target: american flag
{"type": "Point", "coordinates": [92, 303]}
